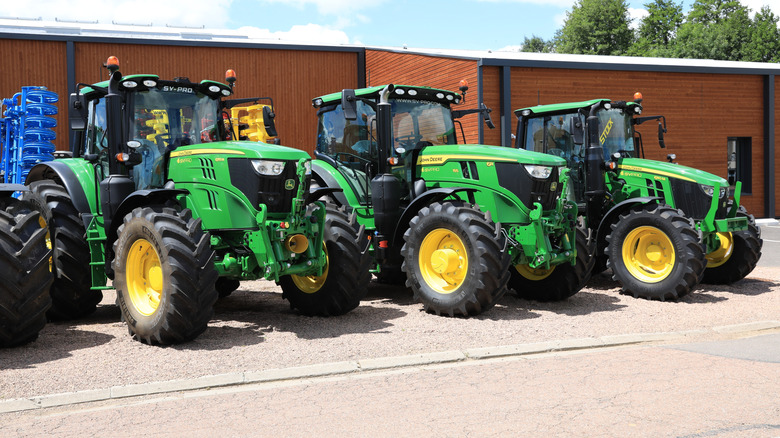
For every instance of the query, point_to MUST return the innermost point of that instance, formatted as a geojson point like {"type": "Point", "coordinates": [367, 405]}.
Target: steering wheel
{"type": "Point", "coordinates": [407, 141]}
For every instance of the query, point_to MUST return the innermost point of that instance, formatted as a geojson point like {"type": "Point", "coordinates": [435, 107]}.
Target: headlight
{"type": "Point", "coordinates": [710, 190]}
{"type": "Point", "coordinates": [542, 172]}
{"type": "Point", "coordinates": [307, 166]}
{"type": "Point", "coordinates": [267, 167]}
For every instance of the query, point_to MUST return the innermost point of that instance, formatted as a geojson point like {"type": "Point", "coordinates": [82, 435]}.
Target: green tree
{"type": "Point", "coordinates": [764, 42]}
{"type": "Point", "coordinates": [536, 44]}
{"type": "Point", "coordinates": [714, 29]}
{"type": "Point", "coordinates": [595, 27]}
{"type": "Point", "coordinates": [657, 30]}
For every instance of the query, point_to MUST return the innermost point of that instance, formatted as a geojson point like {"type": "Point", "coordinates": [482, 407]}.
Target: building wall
{"type": "Point", "coordinates": [291, 77]}
{"type": "Point", "coordinates": [702, 111]}
{"type": "Point", "coordinates": [385, 67]}
{"type": "Point", "coordinates": [36, 63]}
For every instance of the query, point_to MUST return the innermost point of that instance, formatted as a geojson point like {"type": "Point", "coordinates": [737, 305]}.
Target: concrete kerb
{"type": "Point", "coordinates": [369, 365]}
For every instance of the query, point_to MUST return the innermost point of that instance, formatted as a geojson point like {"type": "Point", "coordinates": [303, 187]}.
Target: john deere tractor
{"type": "Point", "coordinates": [457, 223]}
{"type": "Point", "coordinates": [159, 199]}
{"type": "Point", "coordinates": [661, 227]}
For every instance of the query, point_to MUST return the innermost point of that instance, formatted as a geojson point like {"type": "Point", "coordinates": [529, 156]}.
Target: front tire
{"type": "Point", "coordinates": [560, 281]}
{"type": "Point", "coordinates": [71, 292]}
{"type": "Point", "coordinates": [24, 262]}
{"type": "Point", "coordinates": [345, 279]}
{"type": "Point", "coordinates": [737, 254]}
{"type": "Point", "coordinates": [454, 259]}
{"type": "Point", "coordinates": [655, 253]}
{"type": "Point", "coordinates": [164, 275]}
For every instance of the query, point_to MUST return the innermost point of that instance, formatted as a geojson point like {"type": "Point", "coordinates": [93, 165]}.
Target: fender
{"type": "Point", "coordinates": [329, 181]}
{"type": "Point", "coordinates": [140, 198]}
{"type": "Point", "coordinates": [614, 212]}
{"type": "Point", "coordinates": [60, 172]}
{"type": "Point", "coordinates": [426, 198]}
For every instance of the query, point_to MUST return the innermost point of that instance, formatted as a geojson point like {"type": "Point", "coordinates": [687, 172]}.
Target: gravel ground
{"type": "Point", "coordinates": [254, 329]}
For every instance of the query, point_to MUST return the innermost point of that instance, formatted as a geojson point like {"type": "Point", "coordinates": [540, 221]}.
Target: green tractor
{"type": "Point", "coordinates": [457, 223]}
{"type": "Point", "coordinates": [157, 198]}
{"type": "Point", "coordinates": [661, 227]}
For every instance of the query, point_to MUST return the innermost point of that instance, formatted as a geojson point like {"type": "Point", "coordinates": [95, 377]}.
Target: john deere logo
{"type": "Point", "coordinates": [553, 186]}
{"type": "Point", "coordinates": [289, 184]}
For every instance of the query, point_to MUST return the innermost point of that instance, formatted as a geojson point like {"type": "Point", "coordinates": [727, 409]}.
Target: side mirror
{"type": "Point", "coordinates": [661, 131]}
{"type": "Point", "coordinates": [349, 104]}
{"type": "Point", "coordinates": [577, 133]}
{"type": "Point", "coordinates": [77, 112]}
{"type": "Point", "coordinates": [268, 121]}
{"type": "Point", "coordinates": [486, 112]}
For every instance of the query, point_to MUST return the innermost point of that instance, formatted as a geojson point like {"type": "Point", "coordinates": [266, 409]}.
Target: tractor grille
{"type": "Point", "coordinates": [513, 177]}
{"type": "Point", "coordinates": [276, 192]}
{"type": "Point", "coordinates": [690, 198]}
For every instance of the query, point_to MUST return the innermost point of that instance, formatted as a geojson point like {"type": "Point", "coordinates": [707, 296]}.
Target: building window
{"type": "Point", "coordinates": [740, 162]}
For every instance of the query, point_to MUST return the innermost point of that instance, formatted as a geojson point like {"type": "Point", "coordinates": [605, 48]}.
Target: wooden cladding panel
{"type": "Point", "coordinates": [776, 213]}
{"type": "Point", "coordinates": [491, 97]}
{"type": "Point", "coordinates": [37, 63]}
{"type": "Point", "coordinates": [291, 77]}
{"type": "Point", "coordinates": [384, 67]}
{"type": "Point", "coordinates": [702, 111]}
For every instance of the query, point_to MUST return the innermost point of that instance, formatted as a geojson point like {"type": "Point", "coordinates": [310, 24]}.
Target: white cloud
{"type": "Point", "coordinates": [311, 33]}
{"type": "Point", "coordinates": [636, 16]}
{"type": "Point", "coordinates": [559, 3]}
{"type": "Point", "coordinates": [331, 7]}
{"type": "Point", "coordinates": [756, 5]}
{"type": "Point", "coordinates": [195, 13]}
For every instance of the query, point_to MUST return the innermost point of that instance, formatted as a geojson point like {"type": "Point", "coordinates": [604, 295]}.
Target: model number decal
{"type": "Point", "coordinates": [169, 88]}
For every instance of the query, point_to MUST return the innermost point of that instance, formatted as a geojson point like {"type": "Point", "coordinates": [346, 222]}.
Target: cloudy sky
{"type": "Point", "coordinates": [452, 24]}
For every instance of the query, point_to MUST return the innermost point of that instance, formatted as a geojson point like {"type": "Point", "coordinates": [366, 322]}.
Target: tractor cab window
{"type": "Point", "coordinates": [96, 140]}
{"type": "Point", "coordinates": [420, 123]}
{"type": "Point", "coordinates": [553, 135]}
{"type": "Point", "coordinates": [351, 144]}
{"type": "Point", "coordinates": [165, 120]}
{"type": "Point", "coordinates": [615, 133]}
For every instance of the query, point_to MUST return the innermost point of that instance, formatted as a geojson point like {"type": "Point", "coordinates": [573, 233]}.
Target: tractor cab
{"type": "Point", "coordinates": [347, 136]}
{"type": "Point", "coordinates": [165, 115]}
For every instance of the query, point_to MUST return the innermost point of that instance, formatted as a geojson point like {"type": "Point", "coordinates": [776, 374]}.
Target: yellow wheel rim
{"type": "Point", "coordinates": [443, 261]}
{"type": "Point", "coordinates": [42, 223]}
{"type": "Point", "coordinates": [533, 274]}
{"type": "Point", "coordinates": [312, 283]}
{"type": "Point", "coordinates": [648, 254]}
{"type": "Point", "coordinates": [144, 277]}
{"type": "Point", "coordinates": [723, 253]}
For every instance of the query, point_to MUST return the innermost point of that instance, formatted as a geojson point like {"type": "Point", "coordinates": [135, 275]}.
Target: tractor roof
{"type": "Point", "coordinates": [399, 92]}
{"type": "Point", "coordinates": [212, 88]}
{"type": "Point", "coordinates": [562, 107]}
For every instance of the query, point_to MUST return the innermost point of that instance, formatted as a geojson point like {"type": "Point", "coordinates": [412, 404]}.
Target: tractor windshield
{"type": "Point", "coordinates": [615, 133]}
{"type": "Point", "coordinates": [164, 120]}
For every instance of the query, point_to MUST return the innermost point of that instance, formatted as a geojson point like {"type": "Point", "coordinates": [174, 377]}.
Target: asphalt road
{"type": "Point", "coordinates": [770, 254]}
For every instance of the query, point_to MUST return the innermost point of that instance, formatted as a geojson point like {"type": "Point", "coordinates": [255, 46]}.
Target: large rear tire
{"type": "Point", "coordinates": [164, 275]}
{"type": "Point", "coordinates": [560, 281]}
{"type": "Point", "coordinates": [454, 259]}
{"type": "Point", "coordinates": [71, 292]}
{"type": "Point", "coordinates": [24, 262]}
{"type": "Point", "coordinates": [737, 254]}
{"type": "Point", "coordinates": [345, 279]}
{"type": "Point", "coordinates": [655, 253]}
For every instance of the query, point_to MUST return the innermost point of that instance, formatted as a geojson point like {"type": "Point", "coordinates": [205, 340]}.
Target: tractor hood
{"type": "Point", "coordinates": [670, 170]}
{"type": "Point", "coordinates": [241, 149]}
{"type": "Point", "coordinates": [478, 152]}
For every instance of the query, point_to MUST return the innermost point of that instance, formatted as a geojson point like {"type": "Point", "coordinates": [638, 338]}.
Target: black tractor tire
{"type": "Point", "coordinates": [655, 252]}
{"type": "Point", "coordinates": [71, 292]}
{"type": "Point", "coordinates": [24, 262]}
{"type": "Point", "coordinates": [226, 286]}
{"type": "Point", "coordinates": [743, 257]}
{"type": "Point", "coordinates": [164, 275]}
{"type": "Point", "coordinates": [345, 281]}
{"type": "Point", "coordinates": [457, 236]}
{"type": "Point", "coordinates": [559, 282]}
